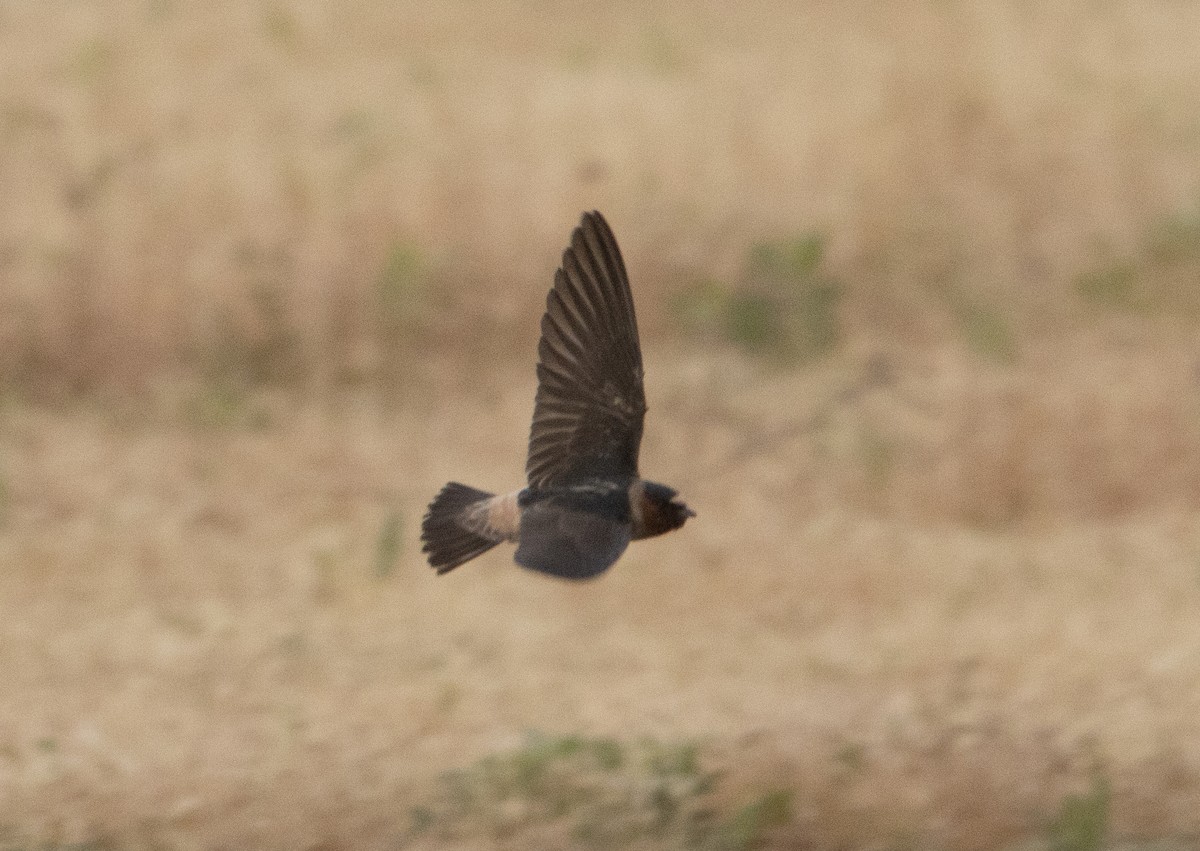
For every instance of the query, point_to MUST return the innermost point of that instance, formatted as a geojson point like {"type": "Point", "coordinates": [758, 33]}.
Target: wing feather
{"type": "Point", "coordinates": [587, 418]}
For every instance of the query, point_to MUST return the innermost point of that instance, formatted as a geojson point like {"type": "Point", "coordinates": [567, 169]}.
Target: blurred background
{"type": "Point", "coordinates": [919, 292]}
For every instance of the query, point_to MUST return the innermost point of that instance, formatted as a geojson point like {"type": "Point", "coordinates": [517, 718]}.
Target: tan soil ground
{"type": "Point", "coordinates": [932, 613]}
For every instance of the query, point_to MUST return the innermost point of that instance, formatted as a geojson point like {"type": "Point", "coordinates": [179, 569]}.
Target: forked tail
{"type": "Point", "coordinates": [447, 530]}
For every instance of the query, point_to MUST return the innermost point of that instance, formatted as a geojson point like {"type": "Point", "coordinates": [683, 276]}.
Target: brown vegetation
{"type": "Point", "coordinates": [270, 274]}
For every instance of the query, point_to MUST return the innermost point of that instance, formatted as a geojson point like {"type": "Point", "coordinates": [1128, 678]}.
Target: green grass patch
{"type": "Point", "coordinates": [255, 342]}
{"type": "Point", "coordinates": [577, 791]}
{"type": "Point", "coordinates": [401, 308]}
{"type": "Point", "coordinates": [782, 306]}
{"type": "Point", "coordinates": [1082, 820]}
{"type": "Point", "coordinates": [1158, 276]}
{"type": "Point", "coordinates": [748, 826]}
{"type": "Point", "coordinates": [224, 403]}
{"type": "Point", "coordinates": [1108, 286]}
{"type": "Point", "coordinates": [400, 288]}
{"type": "Point", "coordinates": [387, 546]}
{"type": "Point", "coordinates": [661, 51]}
{"type": "Point", "coordinates": [987, 331]}
{"type": "Point", "coordinates": [1174, 238]}
{"type": "Point", "coordinates": [279, 27]}
{"type": "Point", "coordinates": [92, 60]}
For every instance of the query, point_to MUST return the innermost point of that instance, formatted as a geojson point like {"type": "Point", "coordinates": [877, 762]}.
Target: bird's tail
{"type": "Point", "coordinates": [449, 537]}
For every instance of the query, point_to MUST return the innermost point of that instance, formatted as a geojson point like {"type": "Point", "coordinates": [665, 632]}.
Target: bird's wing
{"type": "Point", "coordinates": [587, 418]}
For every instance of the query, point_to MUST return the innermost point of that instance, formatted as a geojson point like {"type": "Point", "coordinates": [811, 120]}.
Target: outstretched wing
{"type": "Point", "coordinates": [587, 419]}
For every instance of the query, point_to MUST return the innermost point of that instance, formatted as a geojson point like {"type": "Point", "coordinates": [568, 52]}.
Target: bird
{"type": "Point", "coordinates": [585, 500]}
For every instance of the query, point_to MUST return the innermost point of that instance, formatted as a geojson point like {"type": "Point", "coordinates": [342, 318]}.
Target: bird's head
{"type": "Point", "coordinates": [661, 511]}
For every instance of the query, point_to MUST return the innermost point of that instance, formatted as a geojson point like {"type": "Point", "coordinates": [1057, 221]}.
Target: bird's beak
{"type": "Point", "coordinates": [687, 512]}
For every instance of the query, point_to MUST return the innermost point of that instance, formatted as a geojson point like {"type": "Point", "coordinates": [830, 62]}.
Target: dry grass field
{"type": "Point", "coordinates": [919, 287]}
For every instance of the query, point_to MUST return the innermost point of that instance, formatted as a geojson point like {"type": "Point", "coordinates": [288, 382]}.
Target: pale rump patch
{"type": "Point", "coordinates": [501, 515]}
{"type": "Point", "coordinates": [637, 505]}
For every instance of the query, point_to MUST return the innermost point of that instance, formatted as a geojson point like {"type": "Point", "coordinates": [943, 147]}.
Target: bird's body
{"type": "Point", "coordinates": [585, 500]}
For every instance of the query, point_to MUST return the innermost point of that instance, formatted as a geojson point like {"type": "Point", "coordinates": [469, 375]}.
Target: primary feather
{"type": "Point", "coordinates": [590, 404]}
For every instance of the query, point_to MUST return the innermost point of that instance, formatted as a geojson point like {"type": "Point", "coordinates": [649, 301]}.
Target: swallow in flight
{"type": "Point", "coordinates": [585, 500]}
